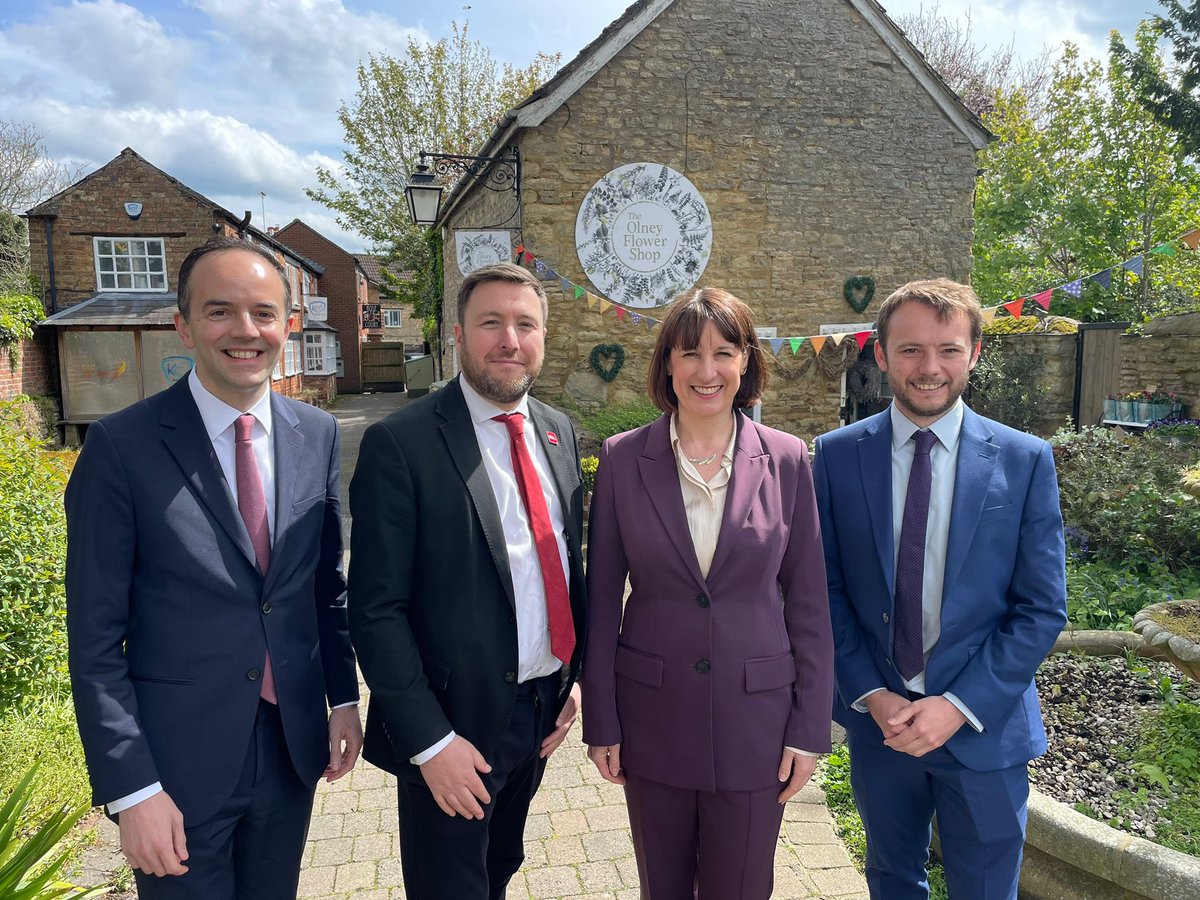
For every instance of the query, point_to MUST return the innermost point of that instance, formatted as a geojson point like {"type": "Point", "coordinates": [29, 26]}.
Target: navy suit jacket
{"type": "Point", "coordinates": [432, 608]}
{"type": "Point", "coordinates": [1004, 596]}
{"type": "Point", "coordinates": [168, 618]}
{"type": "Point", "coordinates": [704, 681]}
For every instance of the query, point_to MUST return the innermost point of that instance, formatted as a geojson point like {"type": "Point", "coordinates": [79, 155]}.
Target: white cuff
{"type": "Point", "coordinates": [135, 798]}
{"type": "Point", "coordinates": [859, 706]}
{"type": "Point", "coordinates": [344, 705]}
{"type": "Point", "coordinates": [426, 755]}
{"type": "Point", "coordinates": [962, 708]}
{"type": "Point", "coordinates": [800, 752]}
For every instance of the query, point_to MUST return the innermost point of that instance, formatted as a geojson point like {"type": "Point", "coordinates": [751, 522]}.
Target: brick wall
{"type": "Point", "coordinates": [339, 285]}
{"type": "Point", "coordinates": [35, 371]}
{"type": "Point", "coordinates": [819, 155]}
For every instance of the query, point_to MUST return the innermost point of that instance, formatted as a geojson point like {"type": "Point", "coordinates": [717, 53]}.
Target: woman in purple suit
{"type": "Point", "coordinates": [707, 694]}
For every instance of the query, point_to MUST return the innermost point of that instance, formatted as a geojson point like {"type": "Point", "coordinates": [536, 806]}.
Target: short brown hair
{"type": "Point", "coordinates": [682, 327]}
{"type": "Point", "coordinates": [506, 272]}
{"type": "Point", "coordinates": [946, 297]}
{"type": "Point", "coordinates": [223, 244]}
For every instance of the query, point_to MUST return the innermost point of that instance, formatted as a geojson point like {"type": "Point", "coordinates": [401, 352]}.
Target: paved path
{"type": "Point", "coordinates": [577, 842]}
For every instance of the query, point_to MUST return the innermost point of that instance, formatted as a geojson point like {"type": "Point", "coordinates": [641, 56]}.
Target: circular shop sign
{"type": "Point", "coordinates": [643, 234]}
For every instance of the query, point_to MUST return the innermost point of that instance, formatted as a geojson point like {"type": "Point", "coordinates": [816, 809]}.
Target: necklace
{"type": "Point", "coordinates": [703, 462]}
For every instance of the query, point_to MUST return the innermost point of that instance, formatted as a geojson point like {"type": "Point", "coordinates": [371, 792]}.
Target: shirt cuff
{"type": "Point", "coordinates": [800, 752]}
{"type": "Point", "coordinates": [344, 705]}
{"type": "Point", "coordinates": [426, 755]}
{"type": "Point", "coordinates": [134, 799]}
{"type": "Point", "coordinates": [859, 706]}
{"type": "Point", "coordinates": [962, 708]}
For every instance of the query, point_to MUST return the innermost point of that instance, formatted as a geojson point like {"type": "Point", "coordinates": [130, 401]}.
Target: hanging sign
{"type": "Point", "coordinates": [477, 249]}
{"type": "Point", "coordinates": [643, 234]}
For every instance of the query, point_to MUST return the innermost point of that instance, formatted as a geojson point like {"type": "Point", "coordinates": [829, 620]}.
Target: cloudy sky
{"type": "Point", "coordinates": [238, 97]}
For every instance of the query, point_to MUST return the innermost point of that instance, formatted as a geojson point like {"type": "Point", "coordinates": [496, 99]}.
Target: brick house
{"type": "Point", "coordinates": [106, 251]}
{"type": "Point", "coordinates": [398, 322]}
{"type": "Point", "coordinates": [822, 143]}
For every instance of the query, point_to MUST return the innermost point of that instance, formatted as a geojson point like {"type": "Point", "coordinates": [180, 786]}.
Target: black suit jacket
{"type": "Point", "coordinates": [168, 618]}
{"type": "Point", "coordinates": [431, 602]}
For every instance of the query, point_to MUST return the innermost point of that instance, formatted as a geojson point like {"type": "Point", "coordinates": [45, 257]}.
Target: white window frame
{"type": "Point", "coordinates": [398, 313]}
{"type": "Point", "coordinates": [132, 260]}
{"type": "Point", "coordinates": [293, 355]}
{"type": "Point", "coordinates": [320, 353]}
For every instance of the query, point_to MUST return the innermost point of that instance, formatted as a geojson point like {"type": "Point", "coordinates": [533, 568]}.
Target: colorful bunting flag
{"type": "Point", "coordinates": [1134, 265]}
{"type": "Point", "coordinates": [636, 318]}
{"type": "Point", "coordinates": [566, 285]}
{"type": "Point", "coordinates": [528, 257]}
{"type": "Point", "coordinates": [1042, 298]}
{"type": "Point", "coordinates": [1074, 288]}
{"type": "Point", "coordinates": [989, 314]}
{"type": "Point", "coordinates": [818, 341]}
{"type": "Point", "coordinates": [1164, 250]}
{"type": "Point", "coordinates": [1104, 279]}
{"type": "Point", "coordinates": [838, 338]}
{"type": "Point", "coordinates": [621, 313]}
{"type": "Point", "coordinates": [605, 306]}
{"type": "Point", "coordinates": [520, 249]}
{"type": "Point", "coordinates": [592, 301]}
{"type": "Point", "coordinates": [540, 268]}
{"type": "Point", "coordinates": [795, 342]}
{"type": "Point", "coordinates": [579, 292]}
{"type": "Point", "coordinates": [861, 338]}
{"type": "Point", "coordinates": [1014, 308]}
{"type": "Point", "coordinates": [776, 345]}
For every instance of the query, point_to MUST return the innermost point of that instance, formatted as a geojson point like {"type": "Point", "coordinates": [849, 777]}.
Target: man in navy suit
{"type": "Point", "coordinates": [205, 602]}
{"type": "Point", "coordinates": [945, 559]}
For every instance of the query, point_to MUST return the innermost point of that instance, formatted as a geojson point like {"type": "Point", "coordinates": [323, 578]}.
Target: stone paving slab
{"type": "Point", "coordinates": [577, 843]}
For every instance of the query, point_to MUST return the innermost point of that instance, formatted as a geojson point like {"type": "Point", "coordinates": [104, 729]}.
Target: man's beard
{"type": "Point", "coordinates": [495, 389]}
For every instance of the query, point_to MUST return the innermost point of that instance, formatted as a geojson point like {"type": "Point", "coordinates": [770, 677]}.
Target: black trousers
{"type": "Point", "coordinates": [452, 858]}
{"type": "Point", "coordinates": [251, 849]}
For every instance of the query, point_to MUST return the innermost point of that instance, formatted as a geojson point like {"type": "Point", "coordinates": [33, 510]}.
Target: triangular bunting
{"type": "Point", "coordinates": [838, 338]}
{"type": "Point", "coordinates": [621, 311]}
{"type": "Point", "coordinates": [1074, 288]}
{"type": "Point", "coordinates": [1164, 250]}
{"type": "Point", "coordinates": [566, 285]}
{"type": "Point", "coordinates": [528, 257]}
{"type": "Point", "coordinates": [1014, 308]}
{"type": "Point", "coordinates": [818, 342]}
{"type": "Point", "coordinates": [540, 267]}
{"type": "Point", "coordinates": [605, 306]}
{"type": "Point", "coordinates": [989, 314]}
{"type": "Point", "coordinates": [795, 342]}
{"type": "Point", "coordinates": [776, 345]}
{"type": "Point", "coordinates": [650, 323]}
{"type": "Point", "coordinates": [1042, 298]}
{"type": "Point", "coordinates": [579, 292]}
{"type": "Point", "coordinates": [591, 301]}
{"type": "Point", "coordinates": [636, 318]}
{"type": "Point", "coordinates": [1104, 279]}
{"type": "Point", "coordinates": [860, 338]}
{"type": "Point", "coordinates": [520, 249]}
{"type": "Point", "coordinates": [1134, 265]}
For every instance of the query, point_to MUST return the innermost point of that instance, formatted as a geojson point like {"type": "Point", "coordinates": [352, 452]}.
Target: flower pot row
{"type": "Point", "coordinates": [1138, 411]}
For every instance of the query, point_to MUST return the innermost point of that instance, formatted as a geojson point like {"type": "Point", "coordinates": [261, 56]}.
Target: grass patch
{"type": "Point", "coordinates": [44, 730]}
{"type": "Point", "coordinates": [612, 420]}
{"type": "Point", "coordinates": [833, 776]}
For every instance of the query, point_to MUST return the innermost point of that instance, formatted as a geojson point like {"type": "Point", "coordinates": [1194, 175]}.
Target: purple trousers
{"type": "Point", "coordinates": [695, 845]}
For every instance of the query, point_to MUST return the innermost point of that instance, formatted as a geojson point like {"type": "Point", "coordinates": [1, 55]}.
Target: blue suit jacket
{"type": "Point", "coordinates": [1004, 597]}
{"type": "Point", "coordinates": [168, 618]}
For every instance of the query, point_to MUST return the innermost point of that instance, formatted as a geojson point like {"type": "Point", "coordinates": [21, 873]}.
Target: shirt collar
{"type": "Point", "coordinates": [947, 428]}
{"type": "Point", "coordinates": [482, 409]}
{"type": "Point", "coordinates": [726, 457]}
{"type": "Point", "coordinates": [218, 415]}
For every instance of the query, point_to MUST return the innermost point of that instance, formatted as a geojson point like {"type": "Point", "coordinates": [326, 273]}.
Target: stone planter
{"type": "Point", "coordinates": [1153, 624]}
{"type": "Point", "coordinates": [1069, 856]}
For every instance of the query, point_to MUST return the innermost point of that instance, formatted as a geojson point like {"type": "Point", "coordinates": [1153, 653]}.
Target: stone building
{"type": "Point", "coordinates": [106, 251]}
{"type": "Point", "coordinates": [823, 145]}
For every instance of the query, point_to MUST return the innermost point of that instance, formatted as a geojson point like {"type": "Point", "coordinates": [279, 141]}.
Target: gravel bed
{"type": "Point", "coordinates": [1094, 709]}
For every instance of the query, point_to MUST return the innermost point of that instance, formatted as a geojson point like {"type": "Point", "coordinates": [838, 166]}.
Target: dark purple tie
{"type": "Point", "coordinates": [907, 642]}
{"type": "Point", "coordinates": [252, 504]}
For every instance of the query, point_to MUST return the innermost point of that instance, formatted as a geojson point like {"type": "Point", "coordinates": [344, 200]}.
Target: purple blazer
{"type": "Point", "coordinates": [703, 682]}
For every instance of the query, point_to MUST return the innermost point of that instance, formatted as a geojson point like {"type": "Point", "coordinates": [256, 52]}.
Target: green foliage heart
{"type": "Point", "coordinates": [859, 290]}
{"type": "Point", "coordinates": [606, 360]}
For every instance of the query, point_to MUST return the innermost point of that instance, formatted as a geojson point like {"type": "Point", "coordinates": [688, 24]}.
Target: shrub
{"type": "Point", "coordinates": [588, 466]}
{"type": "Point", "coordinates": [1107, 595]}
{"type": "Point", "coordinates": [18, 314]}
{"type": "Point", "coordinates": [1006, 385]}
{"type": "Point", "coordinates": [616, 419]}
{"type": "Point", "coordinates": [32, 560]}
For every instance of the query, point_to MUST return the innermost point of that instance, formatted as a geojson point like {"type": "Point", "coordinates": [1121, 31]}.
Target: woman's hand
{"type": "Point", "coordinates": [795, 769]}
{"type": "Point", "coordinates": [608, 760]}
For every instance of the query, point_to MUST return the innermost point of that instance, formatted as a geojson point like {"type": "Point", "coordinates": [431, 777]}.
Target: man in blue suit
{"type": "Point", "coordinates": [945, 560]}
{"type": "Point", "coordinates": [205, 602]}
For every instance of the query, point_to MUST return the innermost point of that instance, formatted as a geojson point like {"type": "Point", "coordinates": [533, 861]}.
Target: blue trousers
{"type": "Point", "coordinates": [981, 822]}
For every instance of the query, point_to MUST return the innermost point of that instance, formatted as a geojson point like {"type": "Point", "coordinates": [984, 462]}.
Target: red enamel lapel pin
{"type": "Point", "coordinates": [552, 438]}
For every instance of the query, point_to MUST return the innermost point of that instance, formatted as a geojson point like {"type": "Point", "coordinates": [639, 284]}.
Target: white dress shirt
{"type": "Point", "coordinates": [943, 463]}
{"type": "Point", "coordinates": [534, 657]}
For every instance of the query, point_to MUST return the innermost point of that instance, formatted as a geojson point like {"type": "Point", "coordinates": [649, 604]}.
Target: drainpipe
{"type": "Point", "coordinates": [50, 260]}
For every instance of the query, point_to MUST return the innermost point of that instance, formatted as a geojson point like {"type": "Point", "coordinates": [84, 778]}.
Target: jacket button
{"type": "Point", "coordinates": [266, 607]}
{"type": "Point", "coordinates": [702, 601]}
{"type": "Point", "coordinates": [254, 674]}
{"type": "Point", "coordinates": [886, 618]}
{"type": "Point", "coordinates": [510, 677]}
{"type": "Point", "coordinates": [702, 667]}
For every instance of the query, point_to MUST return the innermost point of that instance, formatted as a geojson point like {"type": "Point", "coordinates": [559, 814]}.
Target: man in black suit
{"type": "Point", "coordinates": [205, 609]}
{"type": "Point", "coordinates": [466, 594]}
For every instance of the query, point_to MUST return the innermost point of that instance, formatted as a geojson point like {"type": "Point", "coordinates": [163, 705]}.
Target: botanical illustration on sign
{"type": "Point", "coordinates": [643, 234]}
{"type": "Point", "coordinates": [477, 249]}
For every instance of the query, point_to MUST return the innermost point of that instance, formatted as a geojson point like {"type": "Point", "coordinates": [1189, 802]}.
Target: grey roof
{"type": "Point", "coordinates": [311, 324]}
{"type": "Point", "coordinates": [119, 308]}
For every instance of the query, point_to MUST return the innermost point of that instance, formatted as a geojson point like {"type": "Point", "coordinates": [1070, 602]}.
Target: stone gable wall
{"type": "Point", "coordinates": [819, 155]}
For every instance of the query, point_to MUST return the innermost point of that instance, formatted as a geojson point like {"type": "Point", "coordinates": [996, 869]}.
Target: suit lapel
{"type": "Point", "coordinates": [976, 462]}
{"type": "Point", "coordinates": [289, 451]}
{"type": "Point", "coordinates": [750, 461]}
{"type": "Point", "coordinates": [875, 467]}
{"type": "Point", "coordinates": [186, 440]}
{"type": "Point", "coordinates": [659, 471]}
{"type": "Point", "coordinates": [458, 432]}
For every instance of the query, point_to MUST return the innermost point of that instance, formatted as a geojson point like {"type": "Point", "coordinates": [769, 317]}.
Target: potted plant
{"type": "Point", "coordinates": [1162, 403]}
{"type": "Point", "coordinates": [1127, 406]}
{"type": "Point", "coordinates": [1175, 430]}
{"type": "Point", "coordinates": [1112, 408]}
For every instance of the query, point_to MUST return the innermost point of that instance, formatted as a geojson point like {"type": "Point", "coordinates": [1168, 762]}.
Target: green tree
{"type": "Point", "coordinates": [1175, 106]}
{"type": "Point", "coordinates": [444, 97]}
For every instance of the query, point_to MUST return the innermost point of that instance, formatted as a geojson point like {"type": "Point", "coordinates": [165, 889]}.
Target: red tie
{"type": "Point", "coordinates": [558, 601]}
{"type": "Point", "coordinates": [252, 504]}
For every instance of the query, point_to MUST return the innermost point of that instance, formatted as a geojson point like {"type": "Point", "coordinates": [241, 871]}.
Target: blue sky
{"type": "Point", "coordinates": [235, 97]}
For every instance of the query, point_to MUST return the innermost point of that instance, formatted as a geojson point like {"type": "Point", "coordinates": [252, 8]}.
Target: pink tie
{"type": "Point", "coordinates": [252, 504]}
{"type": "Point", "coordinates": [558, 599]}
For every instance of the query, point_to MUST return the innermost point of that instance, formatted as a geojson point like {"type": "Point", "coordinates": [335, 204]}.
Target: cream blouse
{"type": "Point", "coordinates": [703, 501]}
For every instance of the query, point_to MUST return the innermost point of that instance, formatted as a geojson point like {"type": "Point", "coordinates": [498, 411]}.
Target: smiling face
{"type": "Point", "coordinates": [501, 340]}
{"type": "Point", "coordinates": [927, 361]}
{"type": "Point", "coordinates": [236, 324]}
{"type": "Point", "coordinates": [706, 378]}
